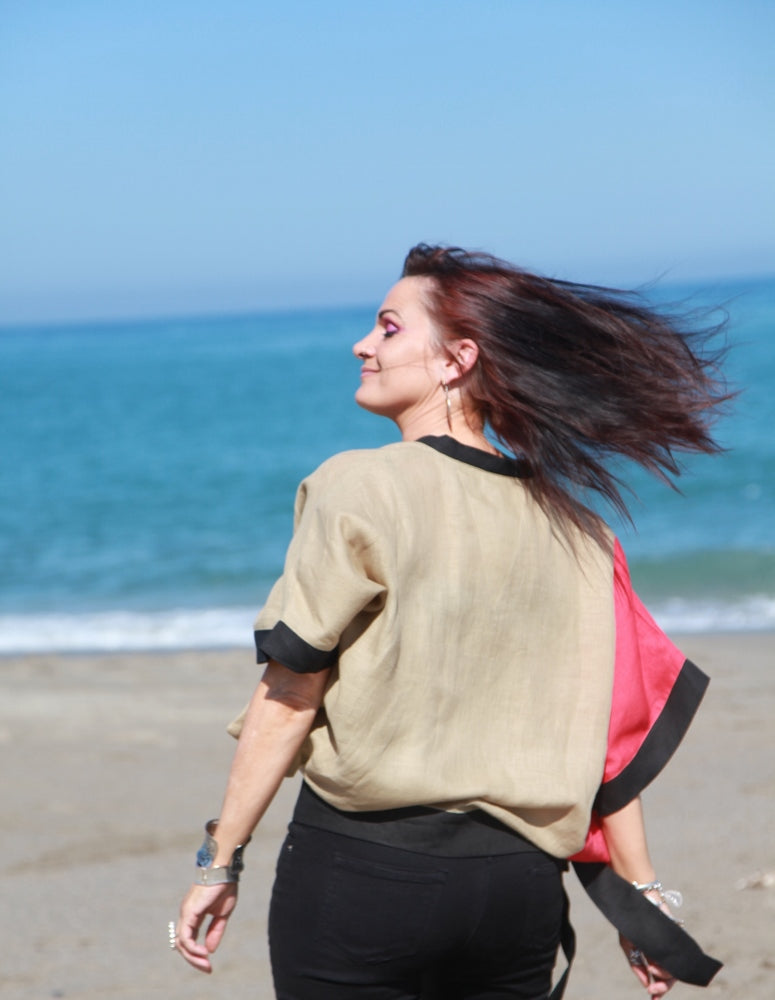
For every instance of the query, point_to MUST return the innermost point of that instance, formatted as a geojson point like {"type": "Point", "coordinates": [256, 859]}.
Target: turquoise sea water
{"type": "Point", "coordinates": [148, 473]}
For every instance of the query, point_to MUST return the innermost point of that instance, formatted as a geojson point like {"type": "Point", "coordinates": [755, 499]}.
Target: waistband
{"type": "Point", "coordinates": [415, 828]}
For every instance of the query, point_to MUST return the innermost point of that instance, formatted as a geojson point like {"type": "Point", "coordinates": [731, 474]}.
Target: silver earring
{"type": "Point", "coordinates": [445, 387]}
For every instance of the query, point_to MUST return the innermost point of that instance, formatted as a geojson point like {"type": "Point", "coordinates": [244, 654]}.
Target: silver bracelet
{"type": "Point", "coordinates": [209, 874]}
{"type": "Point", "coordinates": [217, 875]}
{"type": "Point", "coordinates": [668, 897]}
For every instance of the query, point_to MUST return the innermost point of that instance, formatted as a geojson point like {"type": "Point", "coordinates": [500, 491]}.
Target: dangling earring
{"type": "Point", "coordinates": [445, 387]}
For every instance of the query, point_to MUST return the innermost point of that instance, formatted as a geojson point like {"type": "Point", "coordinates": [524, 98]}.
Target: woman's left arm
{"type": "Point", "coordinates": [625, 836]}
{"type": "Point", "coordinates": [278, 720]}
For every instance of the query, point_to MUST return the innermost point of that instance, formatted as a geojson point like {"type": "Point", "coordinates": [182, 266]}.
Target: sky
{"type": "Point", "coordinates": [162, 157]}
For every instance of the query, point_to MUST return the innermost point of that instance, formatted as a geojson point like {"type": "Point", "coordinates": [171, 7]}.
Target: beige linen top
{"type": "Point", "coordinates": [475, 647]}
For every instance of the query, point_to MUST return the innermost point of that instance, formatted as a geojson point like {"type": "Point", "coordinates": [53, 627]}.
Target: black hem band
{"type": "Point", "coordinates": [421, 829]}
{"type": "Point", "coordinates": [281, 643]}
{"type": "Point", "coordinates": [660, 743]}
{"type": "Point", "coordinates": [500, 464]}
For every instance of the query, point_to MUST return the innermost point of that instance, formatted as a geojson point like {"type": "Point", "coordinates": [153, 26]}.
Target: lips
{"type": "Point", "coordinates": [368, 371]}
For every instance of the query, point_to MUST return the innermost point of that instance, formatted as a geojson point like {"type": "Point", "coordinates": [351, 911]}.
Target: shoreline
{"type": "Point", "coordinates": [115, 760]}
{"type": "Point", "coordinates": [681, 637]}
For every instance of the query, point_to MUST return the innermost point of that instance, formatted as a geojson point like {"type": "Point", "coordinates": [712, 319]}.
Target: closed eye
{"type": "Point", "coordinates": [389, 325]}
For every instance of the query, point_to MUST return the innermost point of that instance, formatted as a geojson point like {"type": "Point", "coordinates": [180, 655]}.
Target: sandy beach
{"type": "Point", "coordinates": [113, 762]}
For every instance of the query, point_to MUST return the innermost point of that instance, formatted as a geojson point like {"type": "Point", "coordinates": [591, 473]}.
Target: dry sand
{"type": "Point", "coordinates": [112, 763]}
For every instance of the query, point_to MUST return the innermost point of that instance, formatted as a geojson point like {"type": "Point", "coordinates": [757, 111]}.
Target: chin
{"type": "Point", "coordinates": [362, 399]}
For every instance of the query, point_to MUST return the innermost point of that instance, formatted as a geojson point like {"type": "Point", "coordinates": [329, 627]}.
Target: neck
{"type": "Point", "coordinates": [466, 431]}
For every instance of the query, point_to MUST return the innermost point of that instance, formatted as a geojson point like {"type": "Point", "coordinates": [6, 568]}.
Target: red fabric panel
{"type": "Point", "coordinates": [645, 669]}
{"type": "Point", "coordinates": [595, 848]}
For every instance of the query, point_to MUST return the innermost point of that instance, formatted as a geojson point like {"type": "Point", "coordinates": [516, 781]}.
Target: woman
{"type": "Point", "coordinates": [456, 660]}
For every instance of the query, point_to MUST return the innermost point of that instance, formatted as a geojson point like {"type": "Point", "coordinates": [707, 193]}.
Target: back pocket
{"type": "Point", "coordinates": [375, 912]}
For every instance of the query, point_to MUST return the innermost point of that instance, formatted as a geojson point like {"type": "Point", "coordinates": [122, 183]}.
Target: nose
{"type": "Point", "coordinates": [363, 348]}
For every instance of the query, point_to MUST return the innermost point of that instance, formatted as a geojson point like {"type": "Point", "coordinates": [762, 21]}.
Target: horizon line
{"type": "Point", "coordinates": [205, 315]}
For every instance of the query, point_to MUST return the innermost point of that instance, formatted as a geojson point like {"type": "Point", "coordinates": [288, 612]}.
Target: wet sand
{"type": "Point", "coordinates": [112, 763]}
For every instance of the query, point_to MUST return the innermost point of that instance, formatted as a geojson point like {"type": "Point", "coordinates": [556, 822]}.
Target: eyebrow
{"type": "Point", "coordinates": [384, 312]}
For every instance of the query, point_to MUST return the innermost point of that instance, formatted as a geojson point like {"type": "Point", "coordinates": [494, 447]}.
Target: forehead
{"type": "Point", "coordinates": [407, 296]}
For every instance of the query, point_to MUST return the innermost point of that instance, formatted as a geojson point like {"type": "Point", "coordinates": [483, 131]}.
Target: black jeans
{"type": "Point", "coordinates": [354, 919]}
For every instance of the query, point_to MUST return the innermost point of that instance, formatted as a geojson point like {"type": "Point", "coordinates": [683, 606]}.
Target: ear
{"type": "Point", "coordinates": [461, 358]}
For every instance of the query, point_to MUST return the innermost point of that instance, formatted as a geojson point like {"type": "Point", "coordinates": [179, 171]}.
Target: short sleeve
{"type": "Point", "coordinates": [335, 568]}
{"type": "Point", "coordinates": [656, 693]}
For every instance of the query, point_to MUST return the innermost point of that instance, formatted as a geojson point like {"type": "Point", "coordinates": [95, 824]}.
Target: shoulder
{"type": "Point", "coordinates": [367, 481]}
{"type": "Point", "coordinates": [370, 464]}
{"type": "Point", "coordinates": [358, 480]}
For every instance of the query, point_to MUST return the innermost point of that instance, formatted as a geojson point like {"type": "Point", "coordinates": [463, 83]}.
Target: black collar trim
{"type": "Point", "coordinates": [516, 467]}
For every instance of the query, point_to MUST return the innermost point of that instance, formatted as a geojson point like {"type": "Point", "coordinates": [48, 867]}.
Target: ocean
{"type": "Point", "coordinates": [148, 472]}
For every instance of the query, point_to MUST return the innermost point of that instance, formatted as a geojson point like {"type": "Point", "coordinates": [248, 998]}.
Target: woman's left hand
{"type": "Point", "coordinates": [652, 977]}
{"type": "Point", "coordinates": [201, 901]}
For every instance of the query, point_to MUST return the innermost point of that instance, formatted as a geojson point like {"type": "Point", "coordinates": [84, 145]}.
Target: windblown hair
{"type": "Point", "coordinates": [572, 376]}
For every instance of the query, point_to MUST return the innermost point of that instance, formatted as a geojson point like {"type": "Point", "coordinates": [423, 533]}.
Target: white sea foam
{"type": "Point", "coordinates": [749, 614]}
{"type": "Point", "coordinates": [113, 631]}
{"type": "Point", "coordinates": [221, 628]}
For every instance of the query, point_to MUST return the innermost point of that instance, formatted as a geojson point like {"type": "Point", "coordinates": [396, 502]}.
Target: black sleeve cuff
{"type": "Point", "coordinates": [651, 930]}
{"type": "Point", "coordinates": [281, 643]}
{"type": "Point", "coordinates": [659, 745]}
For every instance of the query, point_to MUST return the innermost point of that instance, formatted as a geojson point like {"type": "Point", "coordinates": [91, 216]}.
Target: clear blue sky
{"type": "Point", "coordinates": [175, 156]}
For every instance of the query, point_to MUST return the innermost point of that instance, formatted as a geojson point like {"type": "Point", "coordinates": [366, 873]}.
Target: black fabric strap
{"type": "Point", "coordinates": [659, 745]}
{"type": "Point", "coordinates": [661, 939]}
{"type": "Point", "coordinates": [281, 643]}
{"type": "Point", "coordinates": [568, 945]}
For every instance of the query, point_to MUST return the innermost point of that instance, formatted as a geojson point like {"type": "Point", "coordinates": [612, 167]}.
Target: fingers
{"type": "Point", "coordinates": [660, 980]}
{"type": "Point", "coordinates": [200, 961]}
{"type": "Point", "coordinates": [217, 902]}
{"type": "Point", "coordinates": [656, 980]}
{"type": "Point", "coordinates": [186, 943]}
{"type": "Point", "coordinates": [215, 932]}
{"type": "Point", "coordinates": [641, 975]}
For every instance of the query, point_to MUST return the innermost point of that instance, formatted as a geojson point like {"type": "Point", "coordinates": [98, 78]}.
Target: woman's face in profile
{"type": "Point", "coordinates": [402, 365]}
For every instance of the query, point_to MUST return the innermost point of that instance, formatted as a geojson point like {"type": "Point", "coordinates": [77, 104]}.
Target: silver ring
{"type": "Point", "coordinates": [636, 957]}
{"type": "Point", "coordinates": [172, 935]}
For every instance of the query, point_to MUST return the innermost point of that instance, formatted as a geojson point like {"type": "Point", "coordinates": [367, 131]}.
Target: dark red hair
{"type": "Point", "coordinates": [571, 375]}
